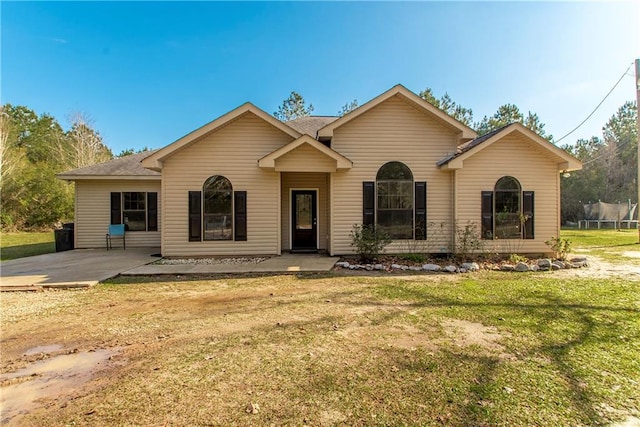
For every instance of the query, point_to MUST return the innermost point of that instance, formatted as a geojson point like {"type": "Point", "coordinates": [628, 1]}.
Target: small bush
{"type": "Point", "coordinates": [369, 241]}
{"type": "Point", "coordinates": [468, 239]}
{"type": "Point", "coordinates": [559, 246]}
{"type": "Point", "coordinates": [516, 258]}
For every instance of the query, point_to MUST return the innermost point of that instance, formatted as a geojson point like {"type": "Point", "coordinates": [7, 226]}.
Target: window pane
{"type": "Point", "coordinates": [135, 220]}
{"type": "Point", "coordinates": [217, 227]}
{"type": "Point", "coordinates": [218, 208]}
{"type": "Point", "coordinates": [134, 213]}
{"type": "Point", "coordinates": [395, 200]}
{"type": "Point", "coordinates": [507, 210]}
{"type": "Point", "coordinates": [304, 206]}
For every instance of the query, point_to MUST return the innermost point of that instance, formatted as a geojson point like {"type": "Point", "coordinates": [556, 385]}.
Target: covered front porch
{"type": "Point", "coordinates": [305, 166]}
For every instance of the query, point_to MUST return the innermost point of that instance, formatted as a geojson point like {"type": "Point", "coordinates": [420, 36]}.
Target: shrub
{"type": "Point", "coordinates": [369, 241]}
{"type": "Point", "coordinates": [468, 239]}
{"type": "Point", "coordinates": [559, 246]}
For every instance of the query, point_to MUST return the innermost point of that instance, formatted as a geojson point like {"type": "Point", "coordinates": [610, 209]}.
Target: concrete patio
{"type": "Point", "coordinates": [87, 267]}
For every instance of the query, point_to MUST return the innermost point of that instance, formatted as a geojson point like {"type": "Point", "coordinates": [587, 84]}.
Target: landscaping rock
{"type": "Point", "coordinates": [535, 267]}
{"type": "Point", "coordinates": [579, 259]}
{"type": "Point", "coordinates": [396, 267]}
{"type": "Point", "coordinates": [470, 266]}
{"type": "Point", "coordinates": [544, 264]}
{"type": "Point", "coordinates": [378, 267]}
{"type": "Point", "coordinates": [431, 267]}
{"type": "Point", "coordinates": [415, 268]}
{"type": "Point", "coordinates": [507, 267]}
{"type": "Point", "coordinates": [521, 267]}
{"type": "Point", "coordinates": [557, 265]}
{"type": "Point", "coordinates": [342, 264]}
{"type": "Point", "coordinates": [462, 270]}
{"type": "Point", "coordinates": [368, 267]}
{"type": "Point", "coordinates": [352, 266]}
{"type": "Point", "coordinates": [451, 269]}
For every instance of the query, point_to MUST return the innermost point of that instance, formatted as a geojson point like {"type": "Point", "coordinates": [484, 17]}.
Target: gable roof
{"type": "Point", "coordinates": [566, 162]}
{"type": "Point", "coordinates": [269, 161]}
{"type": "Point", "coordinates": [154, 161]}
{"type": "Point", "coordinates": [309, 125]}
{"type": "Point", "coordinates": [466, 133]}
{"type": "Point", "coordinates": [128, 167]}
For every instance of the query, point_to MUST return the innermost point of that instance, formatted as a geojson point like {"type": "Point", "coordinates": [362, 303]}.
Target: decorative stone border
{"type": "Point", "coordinates": [544, 264]}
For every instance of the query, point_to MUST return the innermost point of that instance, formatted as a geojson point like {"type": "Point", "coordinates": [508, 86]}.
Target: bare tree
{"type": "Point", "coordinates": [10, 155]}
{"type": "Point", "coordinates": [83, 145]}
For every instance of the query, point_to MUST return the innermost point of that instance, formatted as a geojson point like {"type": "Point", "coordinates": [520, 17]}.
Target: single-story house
{"type": "Point", "coordinates": [248, 184]}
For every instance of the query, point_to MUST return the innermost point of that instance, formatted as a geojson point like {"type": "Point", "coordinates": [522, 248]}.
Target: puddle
{"type": "Point", "coordinates": [51, 379]}
{"type": "Point", "coordinates": [43, 349]}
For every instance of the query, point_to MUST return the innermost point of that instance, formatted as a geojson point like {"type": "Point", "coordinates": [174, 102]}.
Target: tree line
{"type": "Point", "coordinates": [34, 148]}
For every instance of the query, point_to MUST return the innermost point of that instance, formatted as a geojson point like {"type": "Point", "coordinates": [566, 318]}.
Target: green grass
{"type": "Point", "coordinates": [608, 244]}
{"type": "Point", "coordinates": [24, 244]}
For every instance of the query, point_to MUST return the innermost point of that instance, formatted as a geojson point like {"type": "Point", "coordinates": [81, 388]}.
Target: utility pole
{"type": "Point", "coordinates": [638, 132]}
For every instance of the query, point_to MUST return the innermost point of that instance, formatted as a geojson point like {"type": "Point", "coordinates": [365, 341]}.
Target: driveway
{"type": "Point", "coordinates": [80, 267]}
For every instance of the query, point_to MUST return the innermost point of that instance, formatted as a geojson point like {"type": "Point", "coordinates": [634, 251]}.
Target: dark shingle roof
{"type": "Point", "coordinates": [463, 148]}
{"type": "Point", "coordinates": [121, 166]}
{"type": "Point", "coordinates": [309, 125]}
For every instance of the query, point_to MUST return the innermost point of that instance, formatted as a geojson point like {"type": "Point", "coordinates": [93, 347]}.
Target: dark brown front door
{"type": "Point", "coordinates": [304, 221]}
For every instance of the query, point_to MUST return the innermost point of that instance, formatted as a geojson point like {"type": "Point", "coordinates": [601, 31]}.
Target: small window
{"type": "Point", "coordinates": [134, 212]}
{"type": "Point", "coordinates": [218, 208]}
{"type": "Point", "coordinates": [394, 196]}
{"type": "Point", "coordinates": [138, 210]}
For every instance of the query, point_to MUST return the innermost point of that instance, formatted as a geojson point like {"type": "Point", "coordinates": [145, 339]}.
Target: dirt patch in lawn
{"type": "Point", "coordinates": [52, 378]}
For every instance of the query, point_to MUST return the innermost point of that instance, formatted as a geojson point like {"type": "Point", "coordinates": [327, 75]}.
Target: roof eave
{"type": "Point", "coordinates": [67, 177]}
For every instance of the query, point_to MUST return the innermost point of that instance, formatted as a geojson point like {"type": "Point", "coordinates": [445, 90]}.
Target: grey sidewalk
{"type": "Point", "coordinates": [286, 263]}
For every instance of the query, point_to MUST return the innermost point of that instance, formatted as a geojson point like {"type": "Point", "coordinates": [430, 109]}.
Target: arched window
{"type": "Point", "coordinates": [217, 211]}
{"type": "Point", "coordinates": [394, 207]}
{"type": "Point", "coordinates": [508, 208]}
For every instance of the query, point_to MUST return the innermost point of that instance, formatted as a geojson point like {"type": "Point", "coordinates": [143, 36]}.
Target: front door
{"type": "Point", "coordinates": [304, 220]}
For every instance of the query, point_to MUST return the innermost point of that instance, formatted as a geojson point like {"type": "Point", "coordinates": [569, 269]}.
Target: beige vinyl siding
{"type": "Point", "coordinates": [232, 151]}
{"type": "Point", "coordinates": [93, 212]}
{"type": "Point", "coordinates": [526, 161]}
{"type": "Point", "coordinates": [393, 130]}
{"type": "Point", "coordinates": [305, 181]}
{"type": "Point", "coordinates": [305, 158]}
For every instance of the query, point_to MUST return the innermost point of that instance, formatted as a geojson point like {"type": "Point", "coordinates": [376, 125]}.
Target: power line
{"type": "Point", "coordinates": [597, 106]}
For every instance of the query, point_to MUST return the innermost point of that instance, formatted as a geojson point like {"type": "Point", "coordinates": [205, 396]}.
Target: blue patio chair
{"type": "Point", "coordinates": [116, 231]}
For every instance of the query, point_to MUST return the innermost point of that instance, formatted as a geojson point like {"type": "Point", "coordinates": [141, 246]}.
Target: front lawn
{"type": "Point", "coordinates": [23, 244]}
{"type": "Point", "coordinates": [608, 244]}
{"type": "Point", "coordinates": [482, 349]}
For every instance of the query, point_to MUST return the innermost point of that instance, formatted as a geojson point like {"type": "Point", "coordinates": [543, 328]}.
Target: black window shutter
{"type": "Point", "coordinates": [195, 216]}
{"type": "Point", "coordinates": [240, 215]}
{"type": "Point", "coordinates": [152, 211]}
{"type": "Point", "coordinates": [527, 211]}
{"type": "Point", "coordinates": [116, 208]}
{"type": "Point", "coordinates": [421, 211]}
{"type": "Point", "coordinates": [368, 203]}
{"type": "Point", "coordinates": [487, 215]}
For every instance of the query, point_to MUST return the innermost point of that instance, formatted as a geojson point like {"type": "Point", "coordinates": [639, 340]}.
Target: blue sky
{"type": "Point", "coordinates": [149, 72]}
